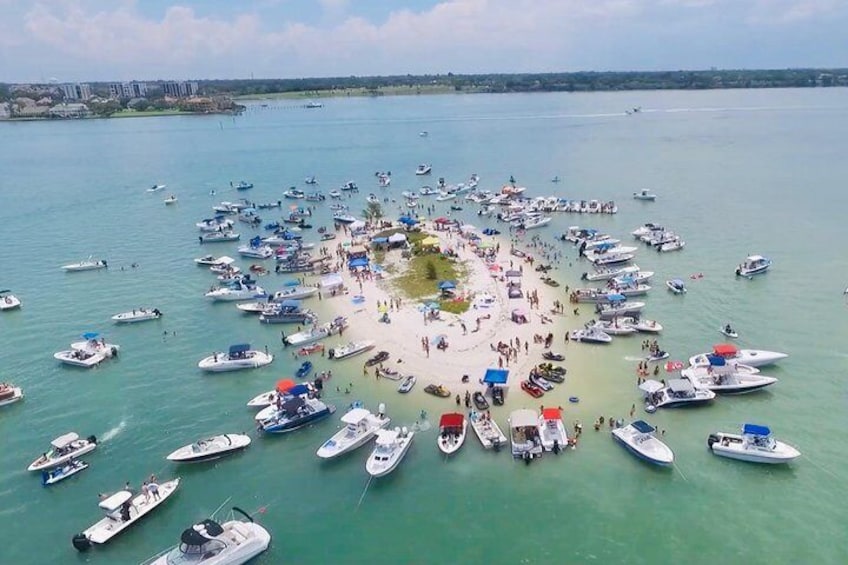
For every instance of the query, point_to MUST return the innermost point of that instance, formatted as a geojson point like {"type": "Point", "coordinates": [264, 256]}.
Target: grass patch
{"type": "Point", "coordinates": [415, 284]}
{"type": "Point", "coordinates": [454, 306]}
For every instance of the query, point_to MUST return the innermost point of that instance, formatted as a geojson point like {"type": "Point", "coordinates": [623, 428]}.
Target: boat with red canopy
{"type": "Point", "coordinates": [728, 351]}
{"type": "Point", "coordinates": [452, 428]}
{"type": "Point", "coordinates": [552, 430]}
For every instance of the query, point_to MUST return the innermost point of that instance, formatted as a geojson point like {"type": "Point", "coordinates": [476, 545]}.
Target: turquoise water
{"type": "Point", "coordinates": [737, 172]}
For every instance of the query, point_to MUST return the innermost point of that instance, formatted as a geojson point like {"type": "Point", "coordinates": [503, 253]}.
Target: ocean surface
{"type": "Point", "coordinates": [737, 173]}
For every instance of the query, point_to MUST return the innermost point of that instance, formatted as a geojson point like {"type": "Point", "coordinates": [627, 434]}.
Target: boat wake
{"type": "Point", "coordinates": [422, 426]}
{"type": "Point", "coordinates": [114, 431]}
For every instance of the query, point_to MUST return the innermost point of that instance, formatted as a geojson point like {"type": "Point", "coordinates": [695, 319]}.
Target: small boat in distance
{"type": "Point", "coordinates": [8, 301]}
{"type": "Point", "coordinates": [753, 265]}
{"type": "Point", "coordinates": [242, 185]}
{"type": "Point", "coordinates": [87, 265]}
{"type": "Point", "coordinates": [639, 439]}
{"type": "Point", "coordinates": [172, 199]}
{"type": "Point", "coordinates": [677, 286]}
{"type": "Point", "coordinates": [755, 445]}
{"type": "Point", "coordinates": [424, 169]}
{"type": "Point", "coordinates": [137, 315]}
{"type": "Point", "coordinates": [156, 188]}
{"type": "Point", "coordinates": [728, 331]}
{"type": "Point", "coordinates": [644, 194]}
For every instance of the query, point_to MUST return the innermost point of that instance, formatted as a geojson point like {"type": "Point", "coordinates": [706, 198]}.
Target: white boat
{"type": "Point", "coordinates": [254, 307]}
{"type": "Point", "coordinates": [335, 194]}
{"type": "Point", "coordinates": [639, 439]}
{"type": "Point", "coordinates": [753, 265]}
{"type": "Point", "coordinates": [209, 542]}
{"type": "Point", "coordinates": [123, 509]}
{"type": "Point", "coordinates": [618, 308]}
{"type": "Point", "coordinates": [63, 449]}
{"type": "Point", "coordinates": [423, 169]}
{"type": "Point", "coordinates": [350, 349]}
{"type": "Point", "coordinates": [218, 237]}
{"type": "Point", "coordinates": [57, 474]}
{"type": "Point", "coordinates": [210, 448]}
{"type": "Point", "coordinates": [316, 333]}
{"type": "Point", "coordinates": [752, 357]}
{"type": "Point", "coordinates": [156, 188]}
{"type": "Point", "coordinates": [8, 301]}
{"type": "Point", "coordinates": [641, 325]}
{"type": "Point", "coordinates": [644, 194]}
{"type": "Point", "coordinates": [212, 261]}
{"type": "Point", "coordinates": [240, 292]}
{"type": "Point", "coordinates": [294, 293]}
{"type": "Point", "coordinates": [534, 223]}
{"type": "Point", "coordinates": [677, 286]}
{"type": "Point", "coordinates": [9, 394]}
{"type": "Point", "coordinates": [137, 315]}
{"type": "Point", "coordinates": [487, 430]}
{"type": "Point", "coordinates": [79, 358]}
{"type": "Point", "coordinates": [610, 258]}
{"type": "Point", "coordinates": [674, 245]}
{"type": "Point", "coordinates": [607, 273]}
{"type": "Point", "coordinates": [615, 326]}
{"type": "Point", "coordinates": [524, 434]}
{"type": "Point", "coordinates": [552, 430]}
{"type": "Point", "coordinates": [633, 278]}
{"type": "Point", "coordinates": [728, 331]}
{"type": "Point", "coordinates": [256, 252]}
{"type": "Point", "coordinates": [453, 428]}
{"type": "Point", "coordinates": [726, 379]}
{"type": "Point", "coordinates": [87, 265]}
{"type": "Point", "coordinates": [392, 446]}
{"type": "Point", "coordinates": [755, 445]}
{"type": "Point", "coordinates": [360, 425]}
{"type": "Point", "coordinates": [343, 218]}
{"type": "Point", "coordinates": [94, 345]}
{"type": "Point", "coordinates": [590, 335]}
{"type": "Point", "coordinates": [211, 225]}
{"type": "Point", "coordinates": [677, 393]}
{"type": "Point", "coordinates": [427, 191]}
{"type": "Point", "coordinates": [172, 199]}
{"type": "Point", "coordinates": [445, 196]}
{"type": "Point", "coordinates": [237, 358]}
{"type": "Point", "coordinates": [646, 229]}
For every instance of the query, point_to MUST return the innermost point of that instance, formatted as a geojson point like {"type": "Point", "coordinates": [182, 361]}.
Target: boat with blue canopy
{"type": "Point", "coordinates": [755, 445]}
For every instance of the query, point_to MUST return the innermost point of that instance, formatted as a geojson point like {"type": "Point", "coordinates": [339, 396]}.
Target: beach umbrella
{"type": "Point", "coordinates": [447, 285]}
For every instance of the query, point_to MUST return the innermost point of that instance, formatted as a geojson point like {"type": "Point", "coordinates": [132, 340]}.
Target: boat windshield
{"type": "Point", "coordinates": [184, 554]}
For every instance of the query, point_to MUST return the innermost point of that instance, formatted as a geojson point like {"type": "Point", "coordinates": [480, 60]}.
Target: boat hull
{"type": "Point", "coordinates": [662, 462]}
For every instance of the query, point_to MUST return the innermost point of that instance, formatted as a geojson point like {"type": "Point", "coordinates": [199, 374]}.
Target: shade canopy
{"type": "Point", "coordinates": [651, 386]}
{"type": "Point", "coordinates": [754, 429]}
{"type": "Point", "coordinates": [379, 240]}
{"type": "Point", "coordinates": [355, 416]}
{"type": "Point", "coordinates": [201, 533]}
{"type": "Point", "coordinates": [358, 262]}
{"type": "Point", "coordinates": [522, 418]}
{"type": "Point", "coordinates": [407, 220]}
{"type": "Point", "coordinates": [430, 241]}
{"type": "Point", "coordinates": [446, 285]}
{"type": "Point", "coordinates": [397, 238]}
{"type": "Point", "coordinates": [552, 414]}
{"type": "Point", "coordinates": [64, 440]}
{"type": "Point", "coordinates": [616, 297]}
{"type": "Point", "coordinates": [643, 427]}
{"type": "Point", "coordinates": [680, 385]}
{"type": "Point", "coordinates": [357, 225]}
{"type": "Point", "coordinates": [290, 303]}
{"type": "Point", "coordinates": [716, 360]}
{"type": "Point", "coordinates": [285, 384]}
{"type": "Point", "coordinates": [496, 376]}
{"type": "Point", "coordinates": [725, 349]}
{"type": "Point", "coordinates": [240, 348]}
{"type": "Point", "coordinates": [90, 335]}
{"type": "Point", "coordinates": [333, 280]}
{"type": "Point", "coordinates": [451, 420]}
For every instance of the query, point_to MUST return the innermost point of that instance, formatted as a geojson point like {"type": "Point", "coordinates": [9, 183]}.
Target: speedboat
{"type": "Point", "coordinates": [437, 390]}
{"type": "Point", "coordinates": [87, 265]}
{"type": "Point", "coordinates": [242, 185]}
{"type": "Point", "coordinates": [240, 291]}
{"type": "Point", "coordinates": [92, 344]}
{"type": "Point", "coordinates": [287, 312]}
{"type": "Point", "coordinates": [123, 509]}
{"type": "Point", "coordinates": [534, 223]}
{"type": "Point", "coordinates": [256, 251]}
{"type": "Point", "coordinates": [293, 293]}
{"type": "Point", "coordinates": [452, 431]}
{"type": "Point", "coordinates": [752, 357]}
{"type": "Point", "coordinates": [335, 194]}
{"type": "Point", "coordinates": [639, 439]}
{"type": "Point", "coordinates": [613, 327]}
{"type": "Point", "coordinates": [618, 308]}
{"type": "Point", "coordinates": [343, 218]}
{"type": "Point", "coordinates": [641, 325]}
{"type": "Point", "coordinates": [392, 446]}
{"type": "Point", "coordinates": [62, 449]}
{"type": "Point", "coordinates": [407, 383]}
{"type": "Point", "coordinates": [678, 392]}
{"type": "Point", "coordinates": [753, 265]}
{"type": "Point", "coordinates": [727, 381]}
{"type": "Point", "coordinates": [487, 430]}
{"type": "Point", "coordinates": [210, 448]}
{"type": "Point", "coordinates": [8, 301]}
{"type": "Point", "coordinates": [218, 236]}
{"type": "Point", "coordinates": [294, 413]}
{"type": "Point", "coordinates": [56, 474]}
{"type": "Point", "coordinates": [673, 244]}
{"type": "Point", "coordinates": [253, 307]}
{"type": "Point", "coordinates": [350, 349]}
{"type": "Point", "coordinates": [590, 335]}
{"type": "Point", "coordinates": [216, 224]}
{"type": "Point", "coordinates": [728, 331]}
{"type": "Point", "coordinates": [644, 194]}
{"type": "Point", "coordinates": [646, 229]}
{"type": "Point", "coordinates": [524, 434]}
{"type": "Point", "coordinates": [137, 315]}
{"type": "Point", "coordinates": [755, 445]}
{"type": "Point", "coordinates": [212, 261]}
{"type": "Point", "coordinates": [316, 333]}
{"type": "Point", "coordinates": [552, 430]}
{"type": "Point", "coordinates": [360, 426]}
{"type": "Point", "coordinates": [86, 359]}
{"type": "Point", "coordinates": [156, 188]}
{"type": "Point", "coordinates": [9, 394]}
{"type": "Point", "coordinates": [237, 358]}
{"type": "Point", "coordinates": [677, 286]}
{"type": "Point", "coordinates": [212, 543]}
{"type": "Point", "coordinates": [423, 169]}
{"type": "Point", "coordinates": [172, 199]}
{"type": "Point", "coordinates": [285, 387]}
{"type": "Point", "coordinates": [607, 273]}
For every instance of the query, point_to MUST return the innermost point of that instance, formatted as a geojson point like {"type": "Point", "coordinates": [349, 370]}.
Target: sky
{"type": "Point", "coordinates": [101, 40]}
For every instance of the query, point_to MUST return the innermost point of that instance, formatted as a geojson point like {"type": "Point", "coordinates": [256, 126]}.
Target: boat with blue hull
{"type": "Point", "coordinates": [295, 413]}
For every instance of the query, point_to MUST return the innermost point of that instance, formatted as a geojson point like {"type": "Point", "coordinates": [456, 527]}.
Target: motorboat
{"type": "Point", "coordinates": [753, 265]}
{"type": "Point", "coordinates": [93, 343]}
{"type": "Point", "coordinates": [641, 325]}
{"type": "Point", "coordinates": [335, 194]}
{"type": "Point", "coordinates": [285, 387]}
{"type": "Point", "coordinates": [533, 223]}
{"type": "Point", "coordinates": [377, 359]}
{"type": "Point", "coordinates": [8, 301]}
{"type": "Point", "coordinates": [349, 350]}
{"type": "Point", "coordinates": [752, 357]}
{"type": "Point", "coordinates": [216, 224]}
{"type": "Point", "coordinates": [62, 449]}
{"type": "Point", "coordinates": [552, 430]}
{"type": "Point", "coordinates": [137, 315]}
{"type": "Point", "coordinates": [62, 472]}
{"type": "Point", "coordinates": [316, 333]}
{"type": "Point", "coordinates": [238, 357]}
{"type": "Point", "coordinates": [618, 308]}
{"type": "Point", "coordinates": [437, 390]}
{"type": "Point", "coordinates": [9, 394]}
{"type": "Point", "coordinates": [524, 434]}
{"type": "Point", "coordinates": [590, 335]}
{"type": "Point", "coordinates": [427, 191]}
{"type": "Point", "coordinates": [407, 383]}
{"type": "Point", "coordinates": [172, 199]}
{"type": "Point", "coordinates": [607, 273]}
{"type": "Point", "coordinates": [253, 307]}
{"type": "Point", "coordinates": [86, 359]}
{"type": "Point", "coordinates": [452, 431]}
{"type": "Point", "coordinates": [423, 169]}
{"type": "Point", "coordinates": [677, 286]}
{"type": "Point", "coordinates": [646, 229]}
{"type": "Point", "coordinates": [677, 393]}
{"type": "Point", "coordinates": [755, 444]}
{"type": "Point", "coordinates": [391, 447]}
{"type": "Point", "coordinates": [209, 542]}
{"type": "Point", "coordinates": [295, 412]}
{"type": "Point", "coordinates": [156, 188]}
{"type": "Point", "coordinates": [630, 279]}
{"type": "Point", "coordinates": [487, 430]}
{"type": "Point", "coordinates": [360, 425]}
{"type": "Point", "coordinates": [350, 185]}
{"type": "Point", "coordinates": [675, 244]}
{"type": "Point", "coordinates": [639, 438]}
{"type": "Point", "coordinates": [726, 381]}
{"type": "Point", "coordinates": [293, 293]}
{"type": "Point", "coordinates": [533, 390]}
{"type": "Point", "coordinates": [612, 258]}
{"type": "Point", "coordinates": [243, 185]}
{"type": "Point", "coordinates": [123, 509]}
{"type": "Point", "coordinates": [239, 291]}
{"type": "Point", "coordinates": [728, 331]}
{"type": "Point", "coordinates": [210, 448]}
{"type": "Point", "coordinates": [215, 264]}
{"type": "Point", "coordinates": [287, 312]}
{"type": "Point", "coordinates": [218, 236]}
{"type": "Point", "coordinates": [256, 251]}
{"type": "Point", "coordinates": [87, 265]}
{"type": "Point", "coordinates": [343, 218]}
{"type": "Point", "coordinates": [644, 194]}
{"type": "Point", "coordinates": [311, 180]}
{"type": "Point", "coordinates": [612, 327]}
{"type": "Point", "coordinates": [294, 193]}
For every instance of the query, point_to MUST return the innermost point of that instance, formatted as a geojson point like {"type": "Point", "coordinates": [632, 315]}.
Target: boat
{"type": "Point", "coordinates": [612, 327]}
{"type": "Point", "coordinates": [137, 315]}
{"type": "Point", "coordinates": [86, 359]}
{"type": "Point", "coordinates": [644, 194]}
{"type": "Point", "coordinates": [123, 509]}
{"type": "Point", "coordinates": [253, 307]}
{"type": "Point", "coordinates": [316, 333]}
{"type": "Point", "coordinates": [656, 356]}
{"type": "Point", "coordinates": [390, 449]}
{"type": "Point", "coordinates": [349, 185]}
{"type": "Point", "coordinates": [753, 265]}
{"type": "Point", "coordinates": [311, 180]}
{"type": "Point", "coordinates": [216, 224]}
{"type": "Point", "coordinates": [452, 431]}
{"type": "Point", "coordinates": [212, 261]}
{"type": "Point", "coordinates": [237, 358]}
{"type": "Point", "coordinates": [534, 223]}
{"type": "Point", "coordinates": [728, 331]}
{"type": "Point", "coordinates": [172, 199]}
{"type": "Point", "coordinates": [285, 387]}
{"type": "Point", "coordinates": [752, 357]}
{"type": "Point", "coordinates": [209, 542]}
{"type": "Point", "coordinates": [9, 394]}
{"type": "Point", "coordinates": [294, 193]}
{"type": "Point", "coordinates": [257, 251]}
{"type": "Point", "coordinates": [294, 413]}
{"type": "Point", "coordinates": [540, 382]}
{"type": "Point", "coordinates": [640, 324]}
{"type": "Point", "coordinates": [726, 378]}
{"type": "Point", "coordinates": [480, 401]}
{"type": "Point", "coordinates": [677, 286]}
{"type": "Point", "coordinates": [218, 236]}
{"type": "Point", "coordinates": [62, 449]}
{"type": "Point", "coordinates": [360, 425]}
{"type": "Point", "coordinates": [343, 218]}
{"type": "Point", "coordinates": [210, 448]}
{"type": "Point", "coordinates": [293, 293]}
{"type": "Point", "coordinates": [607, 273]}
{"type": "Point", "coordinates": [242, 185]}
{"type": "Point", "coordinates": [552, 432]}
{"type": "Point", "coordinates": [646, 229]}
{"type": "Point", "coordinates": [755, 444]}
{"type": "Point", "coordinates": [675, 244]}
{"type": "Point", "coordinates": [618, 308]}
{"type": "Point", "coordinates": [62, 472]}
{"type": "Point", "coordinates": [524, 434]}
{"type": "Point", "coordinates": [437, 390]}
{"type": "Point", "coordinates": [590, 335]}
{"type": "Point", "coordinates": [156, 188]}
{"type": "Point", "coordinates": [87, 265]}
{"type": "Point", "coordinates": [407, 383]}
{"type": "Point", "coordinates": [487, 430]}
{"type": "Point", "coordinates": [423, 169]}
{"type": "Point", "coordinates": [349, 350]}
{"type": "Point", "coordinates": [8, 301]}
{"type": "Point", "coordinates": [240, 290]}
{"type": "Point", "coordinates": [550, 356]}
{"type": "Point", "coordinates": [639, 439]}
{"type": "Point", "coordinates": [377, 359]}
{"type": "Point", "coordinates": [532, 389]}
{"type": "Point", "coordinates": [304, 369]}
{"type": "Point", "coordinates": [328, 236]}
{"type": "Point", "coordinates": [310, 349]}
{"type": "Point", "coordinates": [335, 194]}
{"type": "Point", "coordinates": [677, 393]}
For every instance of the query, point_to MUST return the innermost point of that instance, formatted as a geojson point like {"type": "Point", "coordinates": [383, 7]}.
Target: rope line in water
{"type": "Point", "coordinates": [364, 492]}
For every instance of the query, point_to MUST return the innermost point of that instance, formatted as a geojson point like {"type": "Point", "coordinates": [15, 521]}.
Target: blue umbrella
{"type": "Point", "coordinates": [446, 285]}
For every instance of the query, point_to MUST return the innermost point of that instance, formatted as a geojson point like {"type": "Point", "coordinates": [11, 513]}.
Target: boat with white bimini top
{"type": "Point", "coordinates": [753, 265]}
{"type": "Point", "coordinates": [210, 542]}
{"type": "Point", "coordinates": [210, 448]}
{"type": "Point", "coordinates": [726, 378]}
{"type": "Point", "coordinates": [487, 430]}
{"type": "Point", "coordinates": [677, 393]}
{"type": "Point", "coordinates": [123, 509]}
{"type": "Point", "coordinates": [62, 449]}
{"type": "Point", "coordinates": [639, 439]}
{"type": "Point", "coordinates": [8, 301]}
{"type": "Point", "coordinates": [453, 428]}
{"type": "Point", "coordinates": [755, 445]}
{"type": "Point", "coordinates": [87, 265]}
{"type": "Point", "coordinates": [524, 434]}
{"type": "Point", "coordinates": [390, 449]}
{"type": "Point", "coordinates": [238, 357]}
{"type": "Point", "coordinates": [360, 425]}
{"type": "Point", "coordinates": [137, 315]}
{"type": "Point", "coordinates": [350, 349]}
{"type": "Point", "coordinates": [9, 394]}
{"type": "Point", "coordinates": [752, 357]}
{"type": "Point", "coordinates": [552, 430]}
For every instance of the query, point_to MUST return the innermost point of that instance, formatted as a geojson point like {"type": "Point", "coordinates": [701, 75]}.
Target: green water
{"type": "Point", "coordinates": [737, 172]}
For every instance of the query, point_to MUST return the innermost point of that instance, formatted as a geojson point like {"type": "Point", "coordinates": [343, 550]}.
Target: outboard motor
{"type": "Point", "coordinates": [331, 354]}
{"type": "Point", "coordinates": [81, 543]}
{"type": "Point", "coordinates": [712, 439]}
{"type": "Point", "coordinates": [91, 439]}
{"type": "Point", "coordinates": [381, 409]}
{"type": "Point", "coordinates": [584, 276]}
{"type": "Point", "coordinates": [557, 448]}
